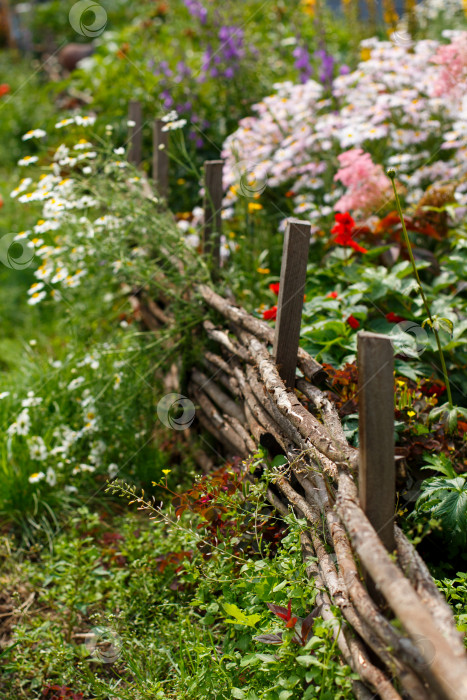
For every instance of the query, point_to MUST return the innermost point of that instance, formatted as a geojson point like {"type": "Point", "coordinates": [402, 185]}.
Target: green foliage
{"type": "Point", "coordinates": [455, 592]}
{"type": "Point", "coordinates": [164, 604]}
{"type": "Point", "coordinates": [445, 498]}
{"type": "Point", "coordinates": [26, 86]}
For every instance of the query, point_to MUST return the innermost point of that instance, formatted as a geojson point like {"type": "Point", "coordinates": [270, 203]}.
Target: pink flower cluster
{"type": "Point", "coordinates": [386, 106]}
{"type": "Point", "coordinates": [368, 188]}
{"type": "Point", "coordinates": [451, 80]}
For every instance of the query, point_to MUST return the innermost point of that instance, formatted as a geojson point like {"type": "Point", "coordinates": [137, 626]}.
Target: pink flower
{"type": "Point", "coordinates": [368, 188]}
{"type": "Point", "coordinates": [453, 59]}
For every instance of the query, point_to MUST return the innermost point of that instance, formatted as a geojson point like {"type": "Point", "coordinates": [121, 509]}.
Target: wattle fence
{"type": "Point", "coordinates": [261, 388]}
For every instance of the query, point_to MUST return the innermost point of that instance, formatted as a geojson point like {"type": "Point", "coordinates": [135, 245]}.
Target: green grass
{"type": "Point", "coordinates": [163, 615]}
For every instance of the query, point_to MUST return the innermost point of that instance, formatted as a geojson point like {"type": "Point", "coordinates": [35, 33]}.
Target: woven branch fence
{"type": "Point", "coordinates": [259, 388]}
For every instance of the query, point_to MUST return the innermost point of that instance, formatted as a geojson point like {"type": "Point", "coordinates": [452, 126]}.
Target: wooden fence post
{"type": "Point", "coordinates": [290, 302]}
{"type": "Point", "coordinates": [377, 473]}
{"type": "Point", "coordinates": [135, 133]}
{"type": "Point", "coordinates": [213, 210]}
{"type": "Point", "coordinates": [160, 158]}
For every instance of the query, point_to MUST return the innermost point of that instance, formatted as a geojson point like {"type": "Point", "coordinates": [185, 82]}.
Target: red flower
{"type": "Point", "coordinates": [342, 231]}
{"type": "Point", "coordinates": [270, 314]}
{"type": "Point", "coordinates": [345, 220]}
{"type": "Point", "coordinates": [4, 89]}
{"type": "Point", "coordinates": [274, 287]}
{"type": "Point", "coordinates": [394, 318]}
{"type": "Point", "coordinates": [353, 323]}
{"type": "Point", "coordinates": [332, 295]}
{"type": "Point", "coordinates": [435, 389]}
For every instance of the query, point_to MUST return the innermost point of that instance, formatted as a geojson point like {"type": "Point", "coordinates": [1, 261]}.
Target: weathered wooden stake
{"type": "Point", "coordinates": [213, 210]}
{"type": "Point", "coordinates": [135, 133]}
{"type": "Point", "coordinates": [290, 302]}
{"type": "Point", "coordinates": [160, 158]}
{"type": "Point", "coordinates": [377, 477]}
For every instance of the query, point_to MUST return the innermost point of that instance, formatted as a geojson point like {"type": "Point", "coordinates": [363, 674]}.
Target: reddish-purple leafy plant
{"type": "Point", "coordinates": [57, 692]}
{"type": "Point", "coordinates": [301, 626]}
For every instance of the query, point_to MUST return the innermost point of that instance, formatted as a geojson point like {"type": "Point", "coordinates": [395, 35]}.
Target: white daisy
{"type": "Point", "coordinates": [85, 121]}
{"type": "Point", "coordinates": [60, 275]}
{"type": "Point", "coordinates": [64, 122]}
{"type": "Point", "coordinates": [23, 423]}
{"type": "Point", "coordinates": [75, 383]}
{"type": "Point", "coordinates": [172, 126]}
{"type": "Point", "coordinates": [34, 478]}
{"type": "Point", "coordinates": [82, 145]}
{"type": "Point", "coordinates": [36, 298]}
{"type": "Point", "coordinates": [34, 134]}
{"type": "Point", "coordinates": [28, 160]}
{"type": "Point", "coordinates": [51, 477]}
{"type": "Point", "coordinates": [37, 449]}
{"type": "Point", "coordinates": [112, 470]}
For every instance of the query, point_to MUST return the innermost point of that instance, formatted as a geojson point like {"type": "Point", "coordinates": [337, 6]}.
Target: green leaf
{"type": "Point", "coordinates": [279, 460]}
{"type": "Point", "coordinates": [237, 693]}
{"type": "Point", "coordinates": [445, 498]}
{"type": "Point", "coordinates": [443, 324]}
{"type": "Point", "coordinates": [239, 617]}
{"type": "Point", "coordinates": [279, 586]}
{"type": "Point", "coordinates": [267, 658]}
{"type": "Point", "coordinates": [305, 660]}
{"type": "Point", "coordinates": [452, 419]}
{"type": "Point", "coordinates": [439, 463]}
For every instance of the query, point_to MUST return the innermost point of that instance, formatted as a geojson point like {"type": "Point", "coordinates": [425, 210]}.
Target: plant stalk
{"type": "Point", "coordinates": [392, 176]}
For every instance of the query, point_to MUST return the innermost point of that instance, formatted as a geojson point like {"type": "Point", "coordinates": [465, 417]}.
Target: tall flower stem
{"type": "Point", "coordinates": [392, 176]}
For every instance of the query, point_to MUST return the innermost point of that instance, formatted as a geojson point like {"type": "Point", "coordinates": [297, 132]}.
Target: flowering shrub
{"type": "Point", "coordinates": [86, 239]}
{"type": "Point", "coordinates": [396, 108]}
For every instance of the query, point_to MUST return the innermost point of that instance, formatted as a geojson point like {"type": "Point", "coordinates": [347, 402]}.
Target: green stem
{"type": "Point", "coordinates": [392, 176]}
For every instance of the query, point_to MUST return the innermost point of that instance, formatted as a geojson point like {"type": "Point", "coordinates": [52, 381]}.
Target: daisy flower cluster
{"type": "Point", "coordinates": [70, 218]}
{"type": "Point", "coordinates": [64, 449]}
{"type": "Point", "coordinates": [403, 107]}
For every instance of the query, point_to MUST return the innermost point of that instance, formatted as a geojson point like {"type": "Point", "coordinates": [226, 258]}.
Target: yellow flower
{"type": "Point", "coordinates": [400, 382]}
{"type": "Point", "coordinates": [254, 206]}
{"type": "Point", "coordinates": [411, 414]}
{"type": "Point", "coordinates": [231, 234]}
{"type": "Point", "coordinates": [181, 181]}
{"type": "Point", "coordinates": [309, 7]}
{"type": "Point", "coordinates": [263, 270]}
{"type": "Point", "coordinates": [166, 471]}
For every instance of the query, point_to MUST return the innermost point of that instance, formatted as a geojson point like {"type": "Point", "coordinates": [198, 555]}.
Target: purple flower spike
{"type": "Point", "coordinates": [302, 62]}
{"type": "Point", "coordinates": [197, 10]}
